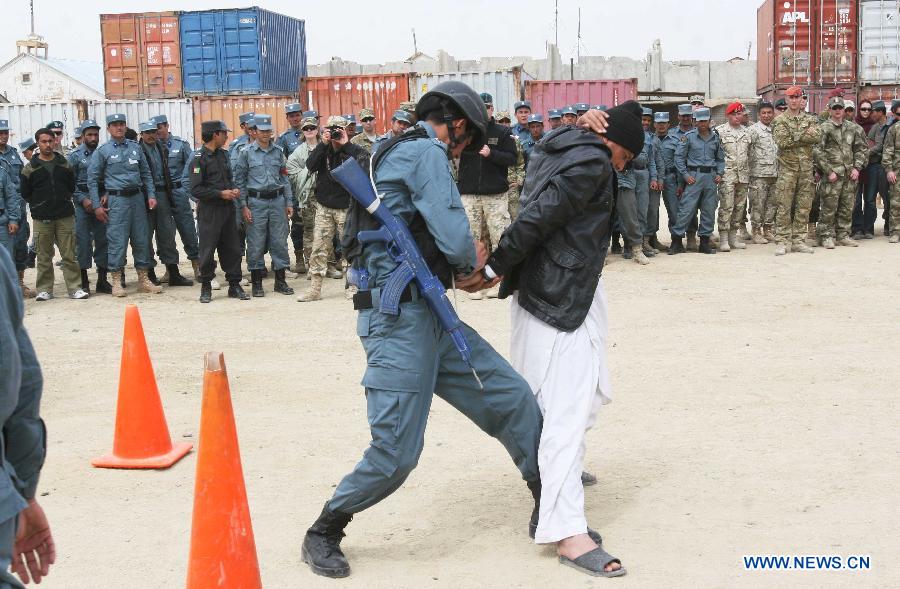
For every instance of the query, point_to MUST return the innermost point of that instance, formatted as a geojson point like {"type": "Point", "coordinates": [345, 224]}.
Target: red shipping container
{"type": "Point", "coordinates": [886, 93]}
{"type": "Point", "coordinates": [836, 55]}
{"type": "Point", "coordinates": [340, 95]}
{"type": "Point", "coordinates": [547, 94]}
{"type": "Point", "coordinates": [229, 108]}
{"type": "Point", "coordinates": [141, 55]}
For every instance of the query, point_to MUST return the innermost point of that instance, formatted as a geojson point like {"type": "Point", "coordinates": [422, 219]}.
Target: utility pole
{"type": "Point", "coordinates": [32, 17]}
{"type": "Point", "coordinates": [415, 45]}
{"type": "Point", "coordinates": [555, 23]}
{"type": "Point", "coordinates": [579, 35]}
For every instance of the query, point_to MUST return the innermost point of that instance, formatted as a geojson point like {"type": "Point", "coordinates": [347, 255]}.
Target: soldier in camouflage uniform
{"type": "Point", "coordinates": [516, 174]}
{"type": "Point", "coordinates": [366, 138]}
{"type": "Point", "coordinates": [735, 183]}
{"type": "Point", "coordinates": [890, 161]}
{"type": "Point", "coordinates": [795, 133]}
{"type": "Point", "coordinates": [763, 172]}
{"type": "Point", "coordinates": [302, 184]}
{"type": "Point", "coordinates": [840, 156]}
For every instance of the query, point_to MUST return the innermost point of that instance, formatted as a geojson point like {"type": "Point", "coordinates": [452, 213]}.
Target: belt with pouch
{"type": "Point", "coordinates": [702, 169]}
{"type": "Point", "coordinates": [82, 186]}
{"type": "Point", "coordinates": [371, 299]}
{"type": "Point", "coordinates": [638, 165]}
{"type": "Point", "coordinates": [124, 192]}
{"type": "Point", "coordinates": [264, 194]}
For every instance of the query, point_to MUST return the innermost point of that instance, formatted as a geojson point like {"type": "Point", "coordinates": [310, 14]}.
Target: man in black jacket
{"type": "Point", "coordinates": [332, 200]}
{"type": "Point", "coordinates": [47, 184]}
{"type": "Point", "coordinates": [483, 182]}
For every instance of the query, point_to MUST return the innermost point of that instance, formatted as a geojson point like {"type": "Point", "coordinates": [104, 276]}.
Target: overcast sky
{"type": "Point", "coordinates": [369, 31]}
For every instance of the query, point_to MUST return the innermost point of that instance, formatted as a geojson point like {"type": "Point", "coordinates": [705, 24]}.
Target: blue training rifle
{"type": "Point", "coordinates": [403, 249]}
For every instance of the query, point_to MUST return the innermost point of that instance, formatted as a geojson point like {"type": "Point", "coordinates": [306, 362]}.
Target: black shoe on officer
{"type": "Point", "coordinates": [281, 284]}
{"type": "Point", "coordinates": [322, 545]}
{"type": "Point", "coordinates": [705, 246]}
{"type": "Point", "coordinates": [151, 274]}
{"type": "Point", "coordinates": [85, 283]}
{"type": "Point", "coordinates": [677, 247]}
{"type": "Point", "coordinates": [256, 278]}
{"type": "Point", "coordinates": [175, 277]}
{"type": "Point", "coordinates": [103, 284]}
{"type": "Point", "coordinates": [206, 291]}
{"type": "Point", "coordinates": [236, 292]}
{"type": "Point", "coordinates": [32, 258]}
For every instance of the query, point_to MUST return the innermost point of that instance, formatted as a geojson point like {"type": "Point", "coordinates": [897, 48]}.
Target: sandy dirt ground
{"type": "Point", "coordinates": [755, 412]}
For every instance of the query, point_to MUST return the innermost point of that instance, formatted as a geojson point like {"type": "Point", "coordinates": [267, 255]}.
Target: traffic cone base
{"type": "Point", "coordinates": [179, 450]}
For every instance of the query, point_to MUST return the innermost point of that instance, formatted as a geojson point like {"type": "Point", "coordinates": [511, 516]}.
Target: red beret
{"type": "Point", "coordinates": [734, 107]}
{"type": "Point", "coordinates": [794, 91]}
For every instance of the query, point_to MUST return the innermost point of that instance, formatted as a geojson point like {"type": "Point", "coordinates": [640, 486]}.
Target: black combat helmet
{"type": "Point", "coordinates": [455, 99]}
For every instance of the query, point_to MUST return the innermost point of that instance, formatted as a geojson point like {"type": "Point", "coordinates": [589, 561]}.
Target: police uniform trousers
{"type": "Point", "coordinates": [128, 221]}
{"type": "Point", "coordinates": [90, 238]}
{"type": "Point", "coordinates": [732, 204]}
{"type": "Point", "coordinates": [627, 221]}
{"type": "Point", "coordinates": [7, 538]}
{"type": "Point", "coordinates": [670, 197]}
{"type": "Point", "coordinates": [184, 222]}
{"type": "Point", "coordinates": [218, 232]}
{"type": "Point", "coordinates": [794, 196]}
{"type": "Point", "coordinates": [267, 232]}
{"type": "Point", "coordinates": [162, 226]}
{"type": "Point", "coordinates": [835, 216]}
{"type": "Point", "coordinates": [20, 245]}
{"type": "Point", "coordinates": [642, 194]}
{"type": "Point", "coordinates": [701, 194]}
{"type": "Point", "coordinates": [762, 201]}
{"type": "Point", "coordinates": [6, 240]}
{"type": "Point", "coordinates": [328, 224]}
{"type": "Point", "coordinates": [410, 359]}
{"type": "Point", "coordinates": [487, 210]}
{"type": "Point", "coordinates": [569, 375]}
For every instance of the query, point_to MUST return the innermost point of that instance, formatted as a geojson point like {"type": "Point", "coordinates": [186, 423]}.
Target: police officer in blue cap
{"type": "Point", "coordinates": [521, 111]}
{"type": "Point", "coordinates": [119, 168]}
{"type": "Point", "coordinates": [12, 164]}
{"type": "Point", "coordinates": [581, 108]}
{"type": "Point", "coordinates": [554, 118]}
{"type": "Point", "coordinates": [569, 116]}
{"type": "Point", "coordinates": [667, 174]}
{"type": "Point", "coordinates": [90, 233]}
{"type": "Point", "coordinates": [11, 208]}
{"type": "Point", "coordinates": [400, 122]}
{"type": "Point", "coordinates": [536, 133]}
{"type": "Point", "coordinates": [293, 137]}
{"type": "Point", "coordinates": [351, 125]}
{"type": "Point", "coordinates": [243, 119]}
{"type": "Point", "coordinates": [685, 124]}
{"type": "Point", "coordinates": [647, 174]}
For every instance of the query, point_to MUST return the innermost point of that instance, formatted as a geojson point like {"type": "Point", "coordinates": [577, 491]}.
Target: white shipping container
{"type": "Point", "coordinates": [506, 86]}
{"type": "Point", "coordinates": [179, 111]}
{"type": "Point", "coordinates": [879, 42]}
{"type": "Point", "coordinates": [25, 119]}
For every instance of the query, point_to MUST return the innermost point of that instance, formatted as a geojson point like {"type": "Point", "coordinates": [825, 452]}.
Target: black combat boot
{"type": "Point", "coordinates": [705, 246]}
{"type": "Point", "coordinates": [103, 284]}
{"type": "Point", "coordinates": [122, 278]}
{"type": "Point", "coordinates": [256, 278]}
{"type": "Point", "coordinates": [677, 246]}
{"type": "Point", "coordinates": [654, 243]}
{"type": "Point", "coordinates": [151, 274]}
{"type": "Point", "coordinates": [281, 285]}
{"type": "Point", "coordinates": [205, 291]}
{"type": "Point", "coordinates": [535, 488]}
{"type": "Point", "coordinates": [236, 292]}
{"type": "Point", "coordinates": [175, 277]}
{"type": "Point", "coordinates": [616, 246]}
{"type": "Point", "coordinates": [32, 257]}
{"type": "Point", "coordinates": [322, 545]}
{"type": "Point", "coordinates": [85, 283]}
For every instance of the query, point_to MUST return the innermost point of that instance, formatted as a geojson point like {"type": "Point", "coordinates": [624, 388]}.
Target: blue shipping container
{"type": "Point", "coordinates": [242, 51]}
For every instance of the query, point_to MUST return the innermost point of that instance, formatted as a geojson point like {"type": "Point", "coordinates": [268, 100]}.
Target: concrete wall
{"type": "Point", "coordinates": [714, 79]}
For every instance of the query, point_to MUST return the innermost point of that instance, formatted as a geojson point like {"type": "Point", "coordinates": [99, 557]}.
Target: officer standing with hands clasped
{"type": "Point", "coordinates": [213, 186]}
{"type": "Point", "coordinates": [120, 166]}
{"type": "Point", "coordinates": [266, 202]}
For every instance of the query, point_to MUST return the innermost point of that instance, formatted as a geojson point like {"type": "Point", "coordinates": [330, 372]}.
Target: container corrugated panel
{"type": "Point", "coordinates": [547, 94]}
{"type": "Point", "coordinates": [765, 44]}
{"type": "Point", "coordinates": [339, 95]}
{"type": "Point", "coordinates": [886, 92]}
{"type": "Point", "coordinates": [242, 51]}
{"type": "Point", "coordinates": [879, 42]}
{"type": "Point", "coordinates": [141, 55]}
{"type": "Point", "coordinates": [506, 87]}
{"type": "Point", "coordinates": [229, 108]}
{"type": "Point", "coordinates": [789, 42]}
{"type": "Point", "coordinates": [24, 119]}
{"type": "Point", "coordinates": [837, 31]}
{"type": "Point", "coordinates": [178, 110]}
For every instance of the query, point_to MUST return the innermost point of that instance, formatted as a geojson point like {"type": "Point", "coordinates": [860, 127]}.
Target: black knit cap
{"type": "Point", "coordinates": [625, 126]}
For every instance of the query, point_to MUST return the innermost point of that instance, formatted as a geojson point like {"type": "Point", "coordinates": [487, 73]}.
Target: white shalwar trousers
{"type": "Point", "coordinates": [569, 375]}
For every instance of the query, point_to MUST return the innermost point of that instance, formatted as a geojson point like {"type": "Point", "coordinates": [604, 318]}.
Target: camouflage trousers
{"type": "Point", "coordinates": [732, 203]}
{"type": "Point", "coordinates": [328, 222]}
{"type": "Point", "coordinates": [894, 209]}
{"type": "Point", "coordinates": [835, 207]}
{"type": "Point", "coordinates": [491, 210]}
{"type": "Point", "coordinates": [512, 197]}
{"type": "Point", "coordinates": [762, 201]}
{"type": "Point", "coordinates": [308, 216]}
{"type": "Point", "coordinates": [793, 198]}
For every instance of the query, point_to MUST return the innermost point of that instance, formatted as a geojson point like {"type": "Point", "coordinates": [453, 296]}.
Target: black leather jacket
{"type": "Point", "coordinates": [553, 253]}
{"type": "Point", "coordinates": [487, 175]}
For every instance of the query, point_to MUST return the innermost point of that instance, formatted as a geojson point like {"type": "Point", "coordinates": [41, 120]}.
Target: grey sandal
{"type": "Point", "coordinates": [594, 563]}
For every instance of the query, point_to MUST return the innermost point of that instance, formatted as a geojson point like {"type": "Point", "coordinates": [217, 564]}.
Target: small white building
{"type": "Point", "coordinates": [28, 78]}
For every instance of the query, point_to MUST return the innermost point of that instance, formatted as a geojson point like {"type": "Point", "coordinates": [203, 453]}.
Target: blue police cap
{"type": "Point", "coordinates": [88, 124]}
{"type": "Point", "coordinates": [402, 115]}
{"type": "Point", "coordinates": [147, 126]}
{"type": "Point", "coordinates": [661, 117]}
{"type": "Point", "coordinates": [568, 110]}
{"type": "Point", "coordinates": [486, 98]}
{"type": "Point", "coordinates": [351, 118]}
{"type": "Point", "coordinates": [554, 113]}
{"type": "Point", "coordinates": [685, 109]}
{"type": "Point", "coordinates": [702, 114]}
{"type": "Point", "coordinates": [263, 122]}
{"type": "Point", "coordinates": [293, 107]}
{"type": "Point", "coordinates": [115, 118]}
{"type": "Point", "coordinates": [582, 107]}
{"type": "Point", "coordinates": [522, 104]}
{"type": "Point", "coordinates": [251, 122]}
{"type": "Point", "coordinates": [77, 132]}
{"type": "Point", "coordinates": [4, 125]}
{"type": "Point", "coordinates": [600, 107]}
{"type": "Point", "coordinates": [244, 117]}
{"type": "Point", "coordinates": [310, 114]}
{"type": "Point", "coordinates": [54, 125]}
{"type": "Point", "coordinates": [536, 118]}
{"type": "Point", "coordinates": [160, 119]}
{"type": "Point", "coordinates": [646, 112]}
{"type": "Point", "coordinates": [29, 143]}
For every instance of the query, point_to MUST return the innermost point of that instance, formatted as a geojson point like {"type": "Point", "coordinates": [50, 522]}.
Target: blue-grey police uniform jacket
{"type": "Point", "coordinates": [11, 202]}
{"type": "Point", "coordinates": [695, 151]}
{"type": "Point", "coordinates": [668, 144]}
{"type": "Point", "coordinates": [658, 160]}
{"type": "Point", "coordinates": [11, 161]}
{"type": "Point", "coordinates": [80, 160]}
{"type": "Point", "coordinates": [649, 156]}
{"type": "Point", "coordinates": [523, 133]}
{"type": "Point", "coordinates": [289, 141]}
{"type": "Point", "coordinates": [119, 166]}
{"type": "Point", "coordinates": [179, 155]}
{"type": "Point", "coordinates": [235, 148]}
{"type": "Point", "coordinates": [262, 170]}
{"type": "Point", "coordinates": [155, 161]}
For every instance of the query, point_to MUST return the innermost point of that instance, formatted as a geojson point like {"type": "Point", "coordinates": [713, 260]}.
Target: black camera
{"type": "Point", "coordinates": [336, 132]}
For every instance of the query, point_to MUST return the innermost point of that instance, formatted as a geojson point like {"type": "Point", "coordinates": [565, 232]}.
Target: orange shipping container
{"type": "Point", "coordinates": [141, 55]}
{"type": "Point", "coordinates": [229, 108]}
{"type": "Point", "coordinates": [340, 95]}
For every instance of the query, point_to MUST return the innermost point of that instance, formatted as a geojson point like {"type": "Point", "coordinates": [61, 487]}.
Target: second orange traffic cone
{"type": "Point", "coordinates": [142, 436]}
{"type": "Point", "coordinates": [223, 551]}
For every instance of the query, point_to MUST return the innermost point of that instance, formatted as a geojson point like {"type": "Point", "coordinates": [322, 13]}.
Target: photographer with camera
{"type": "Point", "coordinates": [331, 198]}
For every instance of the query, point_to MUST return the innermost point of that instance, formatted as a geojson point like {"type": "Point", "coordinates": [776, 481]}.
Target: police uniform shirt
{"type": "Point", "coordinates": [179, 155]}
{"type": "Point", "coordinates": [262, 170]}
{"type": "Point", "coordinates": [80, 160]}
{"type": "Point", "coordinates": [696, 151]}
{"type": "Point", "coordinates": [210, 174]}
{"type": "Point", "coordinates": [119, 165]}
{"type": "Point", "coordinates": [290, 140]}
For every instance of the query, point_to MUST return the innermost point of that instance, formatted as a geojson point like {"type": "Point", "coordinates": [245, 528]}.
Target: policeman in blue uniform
{"type": "Point", "coordinates": [581, 108]}
{"type": "Point", "coordinates": [12, 163]}
{"type": "Point", "coordinates": [410, 357]}
{"type": "Point", "coordinates": [646, 176]}
{"type": "Point", "coordinates": [667, 143]}
{"type": "Point", "coordinates": [90, 233]}
{"type": "Point", "coordinates": [700, 161]}
{"type": "Point", "coordinates": [121, 168]}
{"type": "Point", "coordinates": [179, 155]}
{"type": "Point", "coordinates": [685, 124]}
{"type": "Point", "coordinates": [266, 202]}
{"type": "Point", "coordinates": [521, 112]}
{"type": "Point", "coordinates": [10, 211]}
{"type": "Point", "coordinates": [351, 125]}
{"type": "Point", "coordinates": [554, 118]}
{"type": "Point", "coordinates": [243, 119]}
{"type": "Point", "coordinates": [536, 133]}
{"type": "Point", "coordinates": [569, 116]}
{"type": "Point", "coordinates": [293, 137]}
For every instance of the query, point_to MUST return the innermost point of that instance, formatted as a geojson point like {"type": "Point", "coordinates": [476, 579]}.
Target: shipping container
{"type": "Point", "coordinates": [505, 86]}
{"type": "Point", "coordinates": [338, 95]}
{"type": "Point", "coordinates": [141, 55]}
{"type": "Point", "coordinates": [887, 93]}
{"type": "Point", "coordinates": [837, 29]}
{"type": "Point", "coordinates": [242, 51]}
{"type": "Point", "coordinates": [879, 42]}
{"type": "Point", "coordinates": [26, 118]}
{"type": "Point", "coordinates": [229, 108]}
{"type": "Point", "coordinates": [177, 110]}
{"type": "Point", "coordinates": [547, 94]}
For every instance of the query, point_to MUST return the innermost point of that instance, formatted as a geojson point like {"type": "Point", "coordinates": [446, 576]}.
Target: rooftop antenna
{"type": "Point", "coordinates": [579, 35]}
{"type": "Point", "coordinates": [34, 42]}
{"type": "Point", "coordinates": [415, 45]}
{"type": "Point", "coordinates": [556, 23]}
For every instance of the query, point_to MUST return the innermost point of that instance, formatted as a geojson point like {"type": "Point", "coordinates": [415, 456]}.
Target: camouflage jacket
{"type": "Point", "coordinates": [842, 148]}
{"type": "Point", "coordinates": [763, 152]}
{"type": "Point", "coordinates": [795, 137]}
{"type": "Point", "coordinates": [516, 174]}
{"type": "Point", "coordinates": [363, 141]}
{"type": "Point", "coordinates": [736, 145]}
{"type": "Point", "coordinates": [890, 155]}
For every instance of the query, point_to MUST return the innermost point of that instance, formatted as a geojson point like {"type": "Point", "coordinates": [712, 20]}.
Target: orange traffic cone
{"type": "Point", "coordinates": [223, 552]}
{"type": "Point", "coordinates": [142, 436]}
